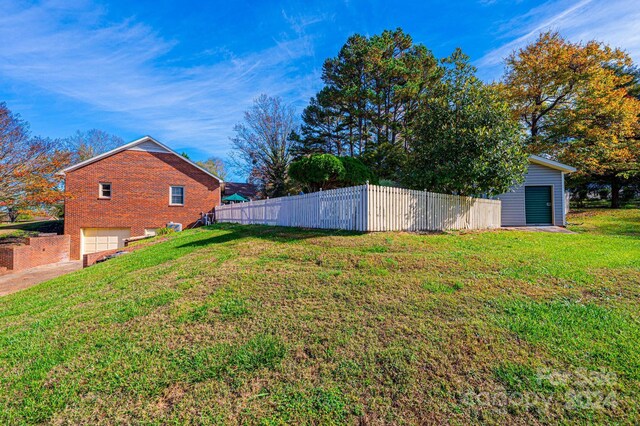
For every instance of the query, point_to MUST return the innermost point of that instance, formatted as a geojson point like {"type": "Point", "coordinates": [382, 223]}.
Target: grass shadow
{"type": "Point", "coordinates": [279, 234]}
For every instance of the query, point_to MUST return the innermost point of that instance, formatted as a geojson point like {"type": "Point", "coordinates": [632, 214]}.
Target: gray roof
{"type": "Point", "coordinates": [536, 159]}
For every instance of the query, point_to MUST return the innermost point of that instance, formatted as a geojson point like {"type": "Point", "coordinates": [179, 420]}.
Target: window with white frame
{"type": "Point", "coordinates": [104, 190]}
{"type": "Point", "coordinates": [176, 196]}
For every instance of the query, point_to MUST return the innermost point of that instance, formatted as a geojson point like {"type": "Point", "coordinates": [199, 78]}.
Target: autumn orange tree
{"type": "Point", "coordinates": [27, 167]}
{"type": "Point", "coordinates": [575, 104]}
{"type": "Point", "coordinates": [605, 136]}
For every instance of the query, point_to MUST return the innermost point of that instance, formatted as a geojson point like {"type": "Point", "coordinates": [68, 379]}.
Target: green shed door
{"type": "Point", "coordinates": [537, 200]}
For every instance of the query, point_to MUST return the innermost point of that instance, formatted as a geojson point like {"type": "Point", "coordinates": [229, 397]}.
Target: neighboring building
{"type": "Point", "coordinates": [132, 191]}
{"type": "Point", "coordinates": [540, 200]}
{"type": "Point", "coordinates": [245, 190]}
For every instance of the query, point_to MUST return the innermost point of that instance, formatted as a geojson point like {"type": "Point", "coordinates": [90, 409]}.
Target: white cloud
{"type": "Point", "coordinates": [123, 69]}
{"type": "Point", "coordinates": [615, 22]}
{"type": "Point", "coordinates": [299, 23]}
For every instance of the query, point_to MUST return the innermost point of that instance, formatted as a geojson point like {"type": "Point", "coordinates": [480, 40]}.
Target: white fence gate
{"type": "Point", "coordinates": [368, 208]}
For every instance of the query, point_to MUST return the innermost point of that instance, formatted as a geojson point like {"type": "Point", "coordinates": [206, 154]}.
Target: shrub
{"type": "Point", "coordinates": [165, 231]}
{"type": "Point", "coordinates": [326, 171]}
{"type": "Point", "coordinates": [389, 182]}
{"type": "Point", "coordinates": [604, 193]}
{"type": "Point", "coordinates": [356, 172]}
{"type": "Point", "coordinates": [629, 193]}
{"type": "Point", "coordinates": [317, 171]}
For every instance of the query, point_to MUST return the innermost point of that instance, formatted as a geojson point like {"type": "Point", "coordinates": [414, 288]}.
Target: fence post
{"type": "Point", "coordinates": [365, 208]}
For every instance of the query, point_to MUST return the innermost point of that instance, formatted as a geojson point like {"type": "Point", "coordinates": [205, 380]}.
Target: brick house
{"type": "Point", "coordinates": [132, 191]}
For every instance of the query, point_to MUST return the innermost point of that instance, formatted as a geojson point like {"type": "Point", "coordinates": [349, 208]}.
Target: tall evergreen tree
{"type": "Point", "coordinates": [373, 90]}
{"type": "Point", "coordinates": [323, 128]}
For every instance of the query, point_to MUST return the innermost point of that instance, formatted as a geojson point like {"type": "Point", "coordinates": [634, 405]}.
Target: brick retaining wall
{"type": "Point", "coordinates": [37, 251]}
{"type": "Point", "coordinates": [92, 258]}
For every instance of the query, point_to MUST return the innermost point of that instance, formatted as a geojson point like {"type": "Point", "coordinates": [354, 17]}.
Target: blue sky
{"type": "Point", "coordinates": [184, 72]}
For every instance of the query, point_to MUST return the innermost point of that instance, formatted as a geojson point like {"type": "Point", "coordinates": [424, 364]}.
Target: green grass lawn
{"type": "Point", "coordinates": [260, 325]}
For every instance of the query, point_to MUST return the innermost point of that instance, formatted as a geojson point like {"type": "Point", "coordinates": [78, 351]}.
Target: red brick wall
{"type": "Point", "coordinates": [6, 257]}
{"type": "Point", "coordinates": [92, 258]}
{"type": "Point", "coordinates": [37, 251]}
{"type": "Point", "coordinates": [140, 184]}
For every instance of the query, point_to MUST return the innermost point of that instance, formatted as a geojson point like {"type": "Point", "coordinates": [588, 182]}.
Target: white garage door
{"type": "Point", "coordinates": [100, 239]}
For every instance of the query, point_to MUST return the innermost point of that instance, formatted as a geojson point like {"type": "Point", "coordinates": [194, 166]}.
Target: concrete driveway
{"type": "Point", "coordinates": [553, 229]}
{"type": "Point", "coordinates": [10, 283]}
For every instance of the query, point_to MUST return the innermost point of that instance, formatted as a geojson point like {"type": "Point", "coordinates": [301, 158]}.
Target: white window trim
{"type": "Point", "coordinates": [171, 203]}
{"type": "Point", "coordinates": [100, 186]}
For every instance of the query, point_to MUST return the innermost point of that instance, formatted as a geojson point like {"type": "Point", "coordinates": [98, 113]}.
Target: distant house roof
{"type": "Point", "coordinates": [246, 190]}
{"type": "Point", "coordinates": [551, 164]}
{"type": "Point", "coordinates": [146, 143]}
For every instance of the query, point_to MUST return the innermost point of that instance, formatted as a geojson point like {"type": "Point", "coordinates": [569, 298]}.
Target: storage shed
{"type": "Point", "coordinates": [540, 200]}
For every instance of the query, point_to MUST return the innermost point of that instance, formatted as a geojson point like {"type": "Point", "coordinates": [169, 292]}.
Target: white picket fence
{"type": "Point", "coordinates": [368, 208]}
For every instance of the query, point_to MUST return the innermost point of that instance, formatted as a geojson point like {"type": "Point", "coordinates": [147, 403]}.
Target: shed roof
{"type": "Point", "coordinates": [551, 164]}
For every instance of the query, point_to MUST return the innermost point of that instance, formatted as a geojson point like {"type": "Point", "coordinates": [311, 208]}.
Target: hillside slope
{"type": "Point", "coordinates": [261, 325]}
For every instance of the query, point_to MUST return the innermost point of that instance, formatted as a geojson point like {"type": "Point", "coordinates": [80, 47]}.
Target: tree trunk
{"type": "Point", "coordinates": [13, 214]}
{"type": "Point", "coordinates": [351, 141]}
{"type": "Point", "coordinates": [534, 127]}
{"type": "Point", "coordinates": [615, 192]}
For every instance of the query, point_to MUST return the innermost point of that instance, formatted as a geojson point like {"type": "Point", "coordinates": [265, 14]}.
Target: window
{"type": "Point", "coordinates": [176, 197]}
{"type": "Point", "coordinates": [104, 190]}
